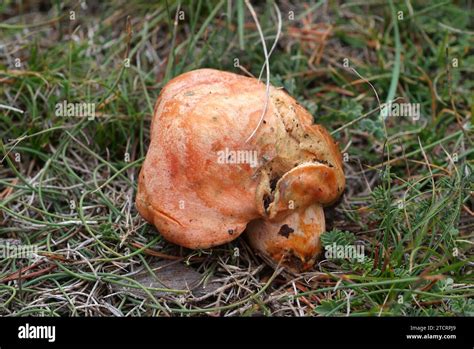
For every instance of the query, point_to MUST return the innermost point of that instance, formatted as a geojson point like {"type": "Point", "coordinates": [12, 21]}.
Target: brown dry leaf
{"type": "Point", "coordinates": [172, 276]}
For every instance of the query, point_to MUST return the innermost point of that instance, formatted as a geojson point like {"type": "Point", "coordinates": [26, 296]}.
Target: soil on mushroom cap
{"type": "Point", "coordinates": [285, 231]}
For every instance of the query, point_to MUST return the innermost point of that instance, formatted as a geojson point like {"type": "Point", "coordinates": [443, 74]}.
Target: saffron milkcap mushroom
{"type": "Point", "coordinates": [215, 168]}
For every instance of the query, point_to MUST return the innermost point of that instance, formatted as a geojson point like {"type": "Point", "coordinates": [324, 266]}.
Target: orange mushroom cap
{"type": "Point", "coordinates": [202, 182]}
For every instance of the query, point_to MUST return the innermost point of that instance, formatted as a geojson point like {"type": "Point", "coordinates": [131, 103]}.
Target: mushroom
{"type": "Point", "coordinates": [208, 176]}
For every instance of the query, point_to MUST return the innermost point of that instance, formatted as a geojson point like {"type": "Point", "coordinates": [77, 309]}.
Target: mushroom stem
{"type": "Point", "coordinates": [294, 240]}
